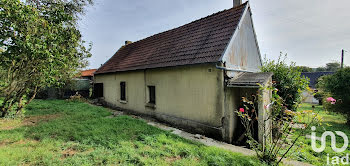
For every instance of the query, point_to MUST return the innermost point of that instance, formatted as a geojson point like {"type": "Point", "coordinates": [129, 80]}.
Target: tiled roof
{"type": "Point", "coordinates": [201, 41]}
{"type": "Point", "coordinates": [88, 73]}
{"type": "Point", "coordinates": [314, 76]}
{"type": "Point", "coordinates": [249, 80]}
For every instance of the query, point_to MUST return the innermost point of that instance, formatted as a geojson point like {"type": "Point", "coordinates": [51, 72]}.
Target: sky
{"type": "Point", "coordinates": [311, 33]}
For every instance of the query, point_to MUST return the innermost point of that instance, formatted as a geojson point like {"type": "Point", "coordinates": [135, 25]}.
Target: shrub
{"type": "Point", "coordinates": [319, 97]}
{"type": "Point", "coordinates": [287, 79]}
{"type": "Point", "coordinates": [338, 87]}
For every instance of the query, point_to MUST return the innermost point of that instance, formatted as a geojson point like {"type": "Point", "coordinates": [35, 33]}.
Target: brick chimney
{"type": "Point", "coordinates": [237, 3]}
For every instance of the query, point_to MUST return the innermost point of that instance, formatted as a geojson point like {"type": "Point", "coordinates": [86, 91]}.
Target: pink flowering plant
{"type": "Point", "coordinates": [275, 129]}
{"type": "Point", "coordinates": [335, 90]}
{"type": "Point", "coordinates": [331, 100]}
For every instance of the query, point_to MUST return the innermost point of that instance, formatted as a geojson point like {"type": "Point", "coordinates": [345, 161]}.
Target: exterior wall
{"type": "Point", "coordinates": [243, 51]}
{"type": "Point", "coordinates": [134, 89]}
{"type": "Point", "coordinates": [232, 99]}
{"type": "Point", "coordinates": [188, 96]}
{"type": "Point", "coordinates": [265, 100]}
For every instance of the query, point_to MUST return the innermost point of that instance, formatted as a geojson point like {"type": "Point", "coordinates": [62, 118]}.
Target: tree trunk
{"type": "Point", "coordinates": [10, 101]}
{"type": "Point", "coordinates": [20, 107]}
{"type": "Point", "coordinates": [6, 107]}
{"type": "Point", "coordinates": [3, 107]}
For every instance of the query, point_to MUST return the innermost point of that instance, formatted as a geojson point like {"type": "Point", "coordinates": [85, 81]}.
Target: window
{"type": "Point", "coordinates": [152, 94]}
{"type": "Point", "coordinates": [122, 91]}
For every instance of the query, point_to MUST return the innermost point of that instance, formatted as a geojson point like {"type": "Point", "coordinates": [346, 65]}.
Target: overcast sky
{"type": "Point", "coordinates": [311, 32]}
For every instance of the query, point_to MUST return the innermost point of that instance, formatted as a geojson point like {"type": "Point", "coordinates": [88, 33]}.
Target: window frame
{"type": "Point", "coordinates": [122, 87]}
{"type": "Point", "coordinates": [152, 94]}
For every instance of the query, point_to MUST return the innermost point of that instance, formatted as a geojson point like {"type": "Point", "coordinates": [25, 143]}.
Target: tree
{"type": "Point", "coordinates": [338, 87]}
{"type": "Point", "coordinates": [304, 69]}
{"type": "Point", "coordinates": [334, 66]}
{"type": "Point", "coordinates": [287, 79]}
{"type": "Point", "coordinates": [319, 69]}
{"type": "Point", "coordinates": [42, 48]}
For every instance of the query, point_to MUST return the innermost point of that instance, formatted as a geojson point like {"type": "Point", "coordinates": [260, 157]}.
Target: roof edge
{"type": "Point", "coordinates": [234, 34]}
{"type": "Point", "coordinates": [111, 72]}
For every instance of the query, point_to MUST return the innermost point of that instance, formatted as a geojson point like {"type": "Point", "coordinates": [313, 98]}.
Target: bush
{"type": "Point", "coordinates": [287, 79]}
{"type": "Point", "coordinates": [338, 87]}
{"type": "Point", "coordinates": [319, 97]}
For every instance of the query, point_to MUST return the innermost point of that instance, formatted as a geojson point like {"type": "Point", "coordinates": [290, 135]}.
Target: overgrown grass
{"type": "Point", "coordinates": [331, 122]}
{"type": "Point", "coordinates": [57, 132]}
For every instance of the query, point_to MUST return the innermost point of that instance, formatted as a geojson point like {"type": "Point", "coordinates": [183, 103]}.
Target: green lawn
{"type": "Point", "coordinates": [57, 132]}
{"type": "Point", "coordinates": [331, 122]}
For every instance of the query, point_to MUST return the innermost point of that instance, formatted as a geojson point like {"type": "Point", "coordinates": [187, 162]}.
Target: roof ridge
{"type": "Point", "coordinates": [211, 15]}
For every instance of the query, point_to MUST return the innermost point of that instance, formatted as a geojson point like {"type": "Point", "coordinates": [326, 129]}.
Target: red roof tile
{"type": "Point", "coordinates": [201, 41]}
{"type": "Point", "coordinates": [88, 73]}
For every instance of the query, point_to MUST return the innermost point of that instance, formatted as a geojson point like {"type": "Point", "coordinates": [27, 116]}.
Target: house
{"type": "Point", "coordinates": [88, 74]}
{"type": "Point", "coordinates": [192, 76]}
{"type": "Point", "coordinates": [313, 76]}
{"type": "Point", "coordinates": [81, 84]}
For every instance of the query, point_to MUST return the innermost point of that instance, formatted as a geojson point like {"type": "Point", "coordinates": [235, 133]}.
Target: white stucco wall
{"type": "Point", "coordinates": [243, 53]}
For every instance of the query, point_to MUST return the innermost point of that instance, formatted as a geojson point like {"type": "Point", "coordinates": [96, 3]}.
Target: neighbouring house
{"type": "Point", "coordinates": [308, 96]}
{"type": "Point", "coordinates": [192, 77]}
{"type": "Point", "coordinates": [81, 84]}
{"type": "Point", "coordinates": [88, 74]}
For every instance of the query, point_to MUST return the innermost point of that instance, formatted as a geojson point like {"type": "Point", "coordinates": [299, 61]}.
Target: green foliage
{"type": "Point", "coordinates": [319, 96]}
{"type": "Point", "coordinates": [42, 47]}
{"type": "Point", "coordinates": [338, 87]}
{"type": "Point", "coordinates": [321, 69]}
{"type": "Point", "coordinates": [333, 66]}
{"type": "Point", "coordinates": [304, 69]}
{"type": "Point", "coordinates": [287, 79]}
{"type": "Point", "coordinates": [82, 134]}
